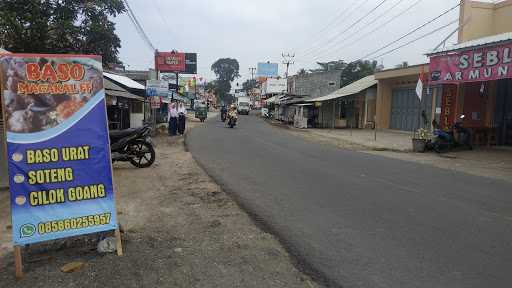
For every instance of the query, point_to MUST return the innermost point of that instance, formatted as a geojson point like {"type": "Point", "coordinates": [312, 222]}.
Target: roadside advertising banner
{"type": "Point", "coordinates": [60, 171]}
{"type": "Point", "coordinates": [157, 88]}
{"type": "Point", "coordinates": [267, 70]}
{"type": "Point", "coordinates": [474, 65]}
{"type": "Point", "coordinates": [170, 62]}
{"type": "Point", "coordinates": [190, 63]}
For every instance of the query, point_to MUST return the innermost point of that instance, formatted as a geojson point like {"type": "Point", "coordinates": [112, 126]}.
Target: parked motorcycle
{"type": "Point", "coordinates": [445, 141]}
{"type": "Point", "coordinates": [133, 145]}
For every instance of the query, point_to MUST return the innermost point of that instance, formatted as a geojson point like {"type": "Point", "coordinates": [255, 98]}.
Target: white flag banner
{"type": "Point", "coordinates": [419, 89]}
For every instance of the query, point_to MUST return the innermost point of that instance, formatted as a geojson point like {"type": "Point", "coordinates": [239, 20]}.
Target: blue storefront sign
{"type": "Point", "coordinates": [60, 171]}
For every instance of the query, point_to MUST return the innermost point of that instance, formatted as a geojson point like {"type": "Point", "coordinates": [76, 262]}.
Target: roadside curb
{"type": "Point", "coordinates": [327, 139]}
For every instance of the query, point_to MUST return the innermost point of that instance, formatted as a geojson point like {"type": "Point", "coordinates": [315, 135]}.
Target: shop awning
{"type": "Point", "coordinates": [112, 89]}
{"type": "Point", "coordinates": [351, 89]}
{"type": "Point", "coordinates": [271, 100]}
{"type": "Point", "coordinates": [125, 81]}
{"type": "Point", "coordinates": [485, 41]}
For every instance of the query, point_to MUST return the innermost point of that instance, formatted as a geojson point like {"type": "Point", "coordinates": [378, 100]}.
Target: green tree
{"type": "Point", "coordinates": [302, 72]}
{"type": "Point", "coordinates": [330, 66]}
{"type": "Point", "coordinates": [61, 26]}
{"type": "Point", "coordinates": [226, 70]}
{"type": "Point", "coordinates": [248, 85]}
{"type": "Point", "coordinates": [357, 70]}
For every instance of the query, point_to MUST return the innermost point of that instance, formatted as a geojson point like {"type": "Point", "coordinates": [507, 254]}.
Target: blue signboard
{"type": "Point", "coordinates": [268, 70]}
{"type": "Point", "coordinates": [60, 171]}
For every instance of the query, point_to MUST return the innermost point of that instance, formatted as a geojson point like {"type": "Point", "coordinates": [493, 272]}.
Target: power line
{"type": "Point", "coordinates": [414, 40]}
{"type": "Point", "coordinates": [164, 20]}
{"type": "Point", "coordinates": [383, 14]}
{"type": "Point", "coordinates": [313, 47]}
{"type": "Point", "coordinates": [339, 15]}
{"type": "Point", "coordinates": [353, 24]}
{"type": "Point", "coordinates": [411, 32]}
{"type": "Point", "coordinates": [138, 27]}
{"type": "Point", "coordinates": [379, 27]}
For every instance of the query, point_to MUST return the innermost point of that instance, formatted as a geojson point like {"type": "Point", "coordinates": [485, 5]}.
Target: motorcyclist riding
{"type": "Point", "coordinates": [232, 116]}
{"type": "Point", "coordinates": [223, 113]}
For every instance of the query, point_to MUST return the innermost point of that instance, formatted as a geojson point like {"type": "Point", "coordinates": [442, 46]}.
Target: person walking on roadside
{"type": "Point", "coordinates": [182, 118]}
{"type": "Point", "coordinates": [173, 119]}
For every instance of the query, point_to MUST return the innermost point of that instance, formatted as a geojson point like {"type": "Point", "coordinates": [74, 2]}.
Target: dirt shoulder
{"type": "Point", "coordinates": [181, 230]}
{"type": "Point", "coordinates": [491, 163]}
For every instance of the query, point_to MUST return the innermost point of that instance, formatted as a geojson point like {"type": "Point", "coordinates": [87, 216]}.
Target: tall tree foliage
{"type": "Point", "coordinates": [330, 66]}
{"type": "Point", "coordinates": [249, 84]}
{"type": "Point", "coordinates": [357, 70]}
{"type": "Point", "coordinates": [350, 72]}
{"type": "Point", "coordinates": [226, 70]}
{"type": "Point", "coordinates": [61, 26]}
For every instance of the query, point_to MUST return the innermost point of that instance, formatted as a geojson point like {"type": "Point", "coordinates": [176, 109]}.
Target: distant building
{"type": "Point", "coordinates": [316, 84]}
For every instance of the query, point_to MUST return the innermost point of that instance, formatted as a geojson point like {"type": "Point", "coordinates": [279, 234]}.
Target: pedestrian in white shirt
{"type": "Point", "coordinates": [182, 118]}
{"type": "Point", "coordinates": [173, 119]}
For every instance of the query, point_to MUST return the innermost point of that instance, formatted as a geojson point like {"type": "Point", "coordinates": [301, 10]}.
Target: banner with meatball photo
{"type": "Point", "coordinates": [57, 146]}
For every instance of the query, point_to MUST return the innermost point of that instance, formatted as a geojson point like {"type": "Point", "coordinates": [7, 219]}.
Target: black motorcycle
{"type": "Point", "coordinates": [133, 145]}
{"type": "Point", "coordinates": [223, 116]}
{"type": "Point", "coordinates": [232, 122]}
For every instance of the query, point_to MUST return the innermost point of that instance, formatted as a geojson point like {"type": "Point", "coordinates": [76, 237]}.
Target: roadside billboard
{"type": "Point", "coordinates": [274, 86]}
{"type": "Point", "coordinates": [267, 70]}
{"type": "Point", "coordinates": [157, 88]}
{"type": "Point", "coordinates": [60, 171]}
{"type": "Point", "coordinates": [176, 62]}
{"type": "Point", "coordinates": [190, 63]}
{"type": "Point", "coordinates": [170, 62]}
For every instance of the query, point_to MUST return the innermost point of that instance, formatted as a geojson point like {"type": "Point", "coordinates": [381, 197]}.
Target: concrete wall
{"type": "Point", "coordinates": [503, 17]}
{"type": "Point", "coordinates": [315, 84]}
{"type": "Point", "coordinates": [484, 19]}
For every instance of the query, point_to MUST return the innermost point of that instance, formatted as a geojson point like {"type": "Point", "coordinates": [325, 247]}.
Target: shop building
{"type": "Point", "coordinates": [398, 105]}
{"type": "Point", "coordinates": [315, 84]}
{"type": "Point", "coordinates": [125, 101]}
{"type": "Point", "coordinates": [476, 77]}
{"type": "Point", "coordinates": [352, 106]}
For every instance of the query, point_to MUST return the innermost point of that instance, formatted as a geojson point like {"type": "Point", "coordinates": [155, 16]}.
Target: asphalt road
{"type": "Point", "coordinates": [361, 220]}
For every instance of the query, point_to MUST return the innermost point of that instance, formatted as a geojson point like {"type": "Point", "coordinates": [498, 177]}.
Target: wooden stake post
{"type": "Point", "coordinates": [18, 263]}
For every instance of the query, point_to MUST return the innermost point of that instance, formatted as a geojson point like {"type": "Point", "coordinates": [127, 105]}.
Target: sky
{"type": "Point", "coordinates": [260, 31]}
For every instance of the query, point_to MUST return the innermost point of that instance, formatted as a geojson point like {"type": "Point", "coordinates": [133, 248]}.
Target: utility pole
{"type": "Point", "coordinates": [288, 59]}
{"type": "Point", "coordinates": [253, 71]}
